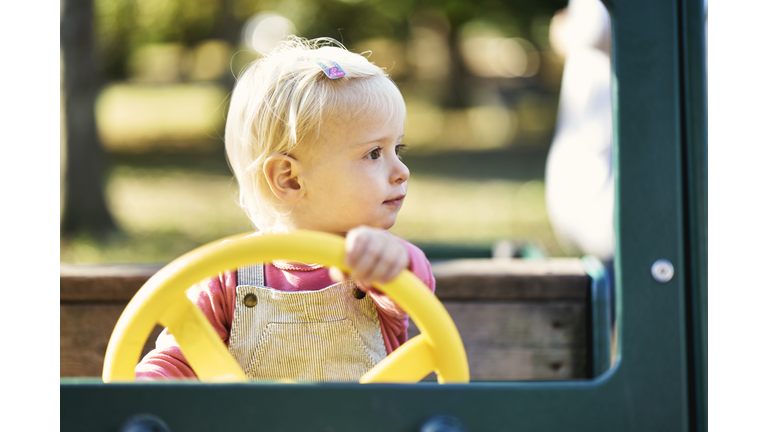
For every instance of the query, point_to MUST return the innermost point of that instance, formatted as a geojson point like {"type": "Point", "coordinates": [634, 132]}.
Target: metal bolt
{"type": "Point", "coordinates": [443, 423]}
{"type": "Point", "coordinates": [662, 271]}
{"type": "Point", "coordinates": [144, 423]}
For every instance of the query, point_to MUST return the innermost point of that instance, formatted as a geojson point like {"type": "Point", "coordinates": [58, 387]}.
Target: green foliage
{"type": "Point", "coordinates": [122, 26]}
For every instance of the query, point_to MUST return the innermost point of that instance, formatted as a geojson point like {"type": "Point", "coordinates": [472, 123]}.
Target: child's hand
{"type": "Point", "coordinates": [373, 255]}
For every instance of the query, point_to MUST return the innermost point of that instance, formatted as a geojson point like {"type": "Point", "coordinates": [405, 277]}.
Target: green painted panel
{"type": "Point", "coordinates": [338, 407]}
{"type": "Point", "coordinates": [695, 110]}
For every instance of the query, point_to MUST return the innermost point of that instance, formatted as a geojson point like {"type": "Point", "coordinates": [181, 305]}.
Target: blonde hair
{"type": "Point", "coordinates": [280, 102]}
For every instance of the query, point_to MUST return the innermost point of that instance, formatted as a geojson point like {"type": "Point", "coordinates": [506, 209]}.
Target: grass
{"type": "Point", "coordinates": [167, 205]}
{"type": "Point", "coordinates": [473, 212]}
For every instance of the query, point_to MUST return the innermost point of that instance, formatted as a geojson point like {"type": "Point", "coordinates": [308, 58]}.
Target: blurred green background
{"type": "Point", "coordinates": [479, 77]}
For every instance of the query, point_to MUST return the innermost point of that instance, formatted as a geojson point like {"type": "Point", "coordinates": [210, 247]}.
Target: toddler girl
{"type": "Point", "coordinates": [313, 136]}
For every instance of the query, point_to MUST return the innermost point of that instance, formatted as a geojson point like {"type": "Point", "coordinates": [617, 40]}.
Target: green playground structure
{"type": "Point", "coordinates": [658, 381]}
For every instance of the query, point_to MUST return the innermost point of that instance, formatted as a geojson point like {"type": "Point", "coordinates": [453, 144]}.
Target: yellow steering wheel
{"type": "Point", "coordinates": [162, 300]}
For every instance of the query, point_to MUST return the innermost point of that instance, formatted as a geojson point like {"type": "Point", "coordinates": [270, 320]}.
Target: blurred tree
{"type": "Point", "coordinates": [513, 15]}
{"type": "Point", "coordinates": [114, 25]}
{"type": "Point", "coordinates": [227, 26]}
{"type": "Point", "coordinates": [355, 20]}
{"type": "Point", "coordinates": [85, 207]}
{"type": "Point", "coordinates": [123, 26]}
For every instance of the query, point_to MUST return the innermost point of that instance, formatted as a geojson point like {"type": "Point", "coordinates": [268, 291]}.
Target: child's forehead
{"type": "Point", "coordinates": [356, 132]}
{"type": "Point", "coordinates": [382, 118]}
{"type": "Point", "coordinates": [358, 114]}
{"type": "Point", "coordinates": [387, 107]}
{"type": "Point", "coordinates": [377, 92]}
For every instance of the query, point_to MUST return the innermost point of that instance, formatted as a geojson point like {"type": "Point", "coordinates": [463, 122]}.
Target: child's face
{"type": "Point", "coordinates": [353, 175]}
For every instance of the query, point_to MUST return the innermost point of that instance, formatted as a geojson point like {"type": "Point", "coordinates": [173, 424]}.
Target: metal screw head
{"type": "Point", "coordinates": [144, 423]}
{"type": "Point", "coordinates": [662, 271]}
{"type": "Point", "coordinates": [443, 423]}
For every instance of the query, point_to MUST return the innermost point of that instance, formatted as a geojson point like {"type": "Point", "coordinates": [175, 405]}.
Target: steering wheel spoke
{"type": "Point", "coordinates": [411, 362]}
{"type": "Point", "coordinates": [201, 345]}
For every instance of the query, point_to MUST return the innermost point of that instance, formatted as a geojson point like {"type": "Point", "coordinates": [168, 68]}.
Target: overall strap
{"type": "Point", "coordinates": [252, 274]}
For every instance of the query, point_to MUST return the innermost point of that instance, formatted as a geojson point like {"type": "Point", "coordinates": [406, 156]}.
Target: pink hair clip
{"type": "Point", "coordinates": [334, 71]}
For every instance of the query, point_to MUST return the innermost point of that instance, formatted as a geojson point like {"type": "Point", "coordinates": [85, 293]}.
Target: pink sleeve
{"type": "Point", "coordinates": [393, 319]}
{"type": "Point", "coordinates": [216, 298]}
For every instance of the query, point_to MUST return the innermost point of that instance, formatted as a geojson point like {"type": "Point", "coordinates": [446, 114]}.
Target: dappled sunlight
{"type": "Point", "coordinates": [202, 206]}
{"type": "Point", "coordinates": [500, 57]}
{"type": "Point", "coordinates": [163, 213]}
{"type": "Point", "coordinates": [479, 127]}
{"type": "Point", "coordinates": [446, 210]}
{"type": "Point", "coordinates": [209, 60]}
{"type": "Point", "coordinates": [386, 55]}
{"type": "Point", "coordinates": [136, 118]}
{"type": "Point", "coordinates": [264, 30]}
{"type": "Point", "coordinates": [428, 53]}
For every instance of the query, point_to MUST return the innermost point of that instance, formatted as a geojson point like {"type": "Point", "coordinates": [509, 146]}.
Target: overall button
{"type": "Point", "coordinates": [250, 300]}
{"type": "Point", "coordinates": [358, 293]}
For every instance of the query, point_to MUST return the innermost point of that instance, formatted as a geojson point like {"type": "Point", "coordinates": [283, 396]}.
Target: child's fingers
{"type": "Point", "coordinates": [402, 263]}
{"type": "Point", "coordinates": [365, 262]}
{"type": "Point", "coordinates": [374, 256]}
{"type": "Point", "coordinates": [356, 245]}
{"type": "Point", "coordinates": [392, 260]}
{"type": "Point", "coordinates": [403, 260]}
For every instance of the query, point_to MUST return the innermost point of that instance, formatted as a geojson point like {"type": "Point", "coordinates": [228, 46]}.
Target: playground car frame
{"type": "Point", "coordinates": [659, 379]}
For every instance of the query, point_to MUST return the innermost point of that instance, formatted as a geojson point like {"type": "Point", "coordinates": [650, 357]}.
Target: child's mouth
{"type": "Point", "coordinates": [395, 201]}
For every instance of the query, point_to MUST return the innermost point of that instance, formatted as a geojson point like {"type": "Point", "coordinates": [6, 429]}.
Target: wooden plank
{"type": "Point", "coordinates": [521, 340]}
{"type": "Point", "coordinates": [519, 319]}
{"type": "Point", "coordinates": [504, 340]}
{"type": "Point", "coordinates": [84, 334]}
{"type": "Point", "coordinates": [511, 279]}
{"type": "Point", "coordinates": [475, 279]}
{"type": "Point", "coordinates": [102, 283]}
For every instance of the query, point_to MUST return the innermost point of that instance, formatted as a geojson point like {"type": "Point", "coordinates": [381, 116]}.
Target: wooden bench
{"type": "Point", "coordinates": [519, 319]}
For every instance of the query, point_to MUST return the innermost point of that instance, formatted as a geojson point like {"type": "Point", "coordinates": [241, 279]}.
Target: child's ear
{"type": "Point", "coordinates": [283, 174]}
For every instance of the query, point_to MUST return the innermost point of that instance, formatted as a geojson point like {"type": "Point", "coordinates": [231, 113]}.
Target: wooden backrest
{"type": "Point", "coordinates": [519, 319]}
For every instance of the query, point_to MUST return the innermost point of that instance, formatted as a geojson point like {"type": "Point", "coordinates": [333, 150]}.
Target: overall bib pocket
{"type": "Point", "coordinates": [317, 351]}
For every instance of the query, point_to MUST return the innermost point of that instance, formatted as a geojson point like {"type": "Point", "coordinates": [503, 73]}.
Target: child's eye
{"type": "Point", "coordinates": [399, 149]}
{"type": "Point", "coordinates": [374, 154]}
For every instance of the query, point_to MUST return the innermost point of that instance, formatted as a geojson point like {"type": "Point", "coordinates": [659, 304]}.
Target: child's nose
{"type": "Point", "coordinates": [400, 172]}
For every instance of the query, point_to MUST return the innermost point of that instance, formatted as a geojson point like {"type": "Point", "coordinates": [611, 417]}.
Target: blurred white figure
{"type": "Point", "coordinates": [579, 174]}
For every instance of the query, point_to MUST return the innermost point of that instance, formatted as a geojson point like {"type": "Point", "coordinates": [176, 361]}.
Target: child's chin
{"type": "Point", "coordinates": [388, 225]}
{"type": "Point", "coordinates": [381, 226]}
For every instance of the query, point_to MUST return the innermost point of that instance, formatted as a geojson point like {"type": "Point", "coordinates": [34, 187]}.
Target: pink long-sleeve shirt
{"type": "Point", "coordinates": [216, 298]}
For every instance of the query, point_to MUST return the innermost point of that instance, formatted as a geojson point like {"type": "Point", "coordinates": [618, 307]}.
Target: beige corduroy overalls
{"type": "Point", "coordinates": [324, 335]}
